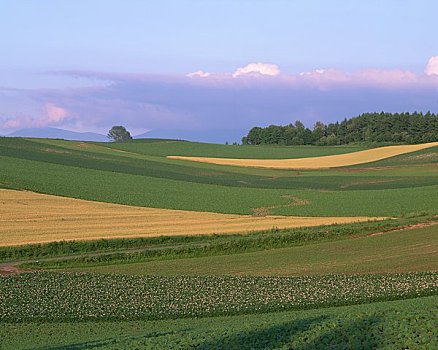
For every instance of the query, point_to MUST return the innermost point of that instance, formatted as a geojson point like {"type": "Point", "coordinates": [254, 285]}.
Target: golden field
{"type": "Point", "coordinates": [324, 162]}
{"type": "Point", "coordinates": [28, 217]}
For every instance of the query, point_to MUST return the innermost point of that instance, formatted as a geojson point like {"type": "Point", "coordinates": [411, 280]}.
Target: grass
{"type": "Point", "coordinates": [425, 156]}
{"type": "Point", "coordinates": [143, 177]}
{"type": "Point", "coordinates": [383, 325]}
{"type": "Point", "coordinates": [333, 161]}
{"type": "Point", "coordinates": [56, 296]}
{"type": "Point", "coordinates": [184, 148]}
{"type": "Point", "coordinates": [70, 310]}
{"type": "Point", "coordinates": [29, 217]}
{"type": "Point", "coordinates": [99, 157]}
{"type": "Point", "coordinates": [401, 251]}
{"type": "Point", "coordinates": [137, 190]}
{"type": "Point", "coordinates": [124, 251]}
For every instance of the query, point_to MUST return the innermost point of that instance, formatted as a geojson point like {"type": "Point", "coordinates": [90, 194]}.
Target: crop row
{"type": "Point", "coordinates": [403, 324]}
{"type": "Point", "coordinates": [81, 296]}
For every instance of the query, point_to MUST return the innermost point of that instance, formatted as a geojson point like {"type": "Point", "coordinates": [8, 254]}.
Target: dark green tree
{"type": "Point", "coordinates": [119, 133]}
{"type": "Point", "coordinates": [254, 136]}
{"type": "Point", "coordinates": [370, 128]}
{"type": "Point", "coordinates": [319, 131]}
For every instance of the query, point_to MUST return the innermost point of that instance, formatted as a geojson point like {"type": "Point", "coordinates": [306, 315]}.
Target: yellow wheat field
{"type": "Point", "coordinates": [28, 217]}
{"type": "Point", "coordinates": [324, 162]}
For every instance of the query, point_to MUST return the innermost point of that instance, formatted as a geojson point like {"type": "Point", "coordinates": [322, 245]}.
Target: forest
{"type": "Point", "coordinates": [400, 128]}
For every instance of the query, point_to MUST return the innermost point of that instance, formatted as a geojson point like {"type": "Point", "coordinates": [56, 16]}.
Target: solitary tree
{"type": "Point", "coordinates": [119, 133]}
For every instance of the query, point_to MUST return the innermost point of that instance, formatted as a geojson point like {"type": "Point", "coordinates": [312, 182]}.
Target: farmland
{"type": "Point", "coordinates": [78, 296]}
{"type": "Point", "coordinates": [218, 175]}
{"type": "Point", "coordinates": [133, 253]}
{"type": "Point", "coordinates": [100, 173]}
{"type": "Point", "coordinates": [28, 217]}
{"type": "Point", "coordinates": [324, 162]}
{"type": "Point", "coordinates": [396, 251]}
{"type": "Point", "coordinates": [383, 325]}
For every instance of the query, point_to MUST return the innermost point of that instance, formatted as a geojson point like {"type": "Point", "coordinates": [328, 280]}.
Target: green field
{"type": "Point", "coordinates": [353, 286]}
{"type": "Point", "coordinates": [141, 177]}
{"type": "Point", "coordinates": [400, 251]}
{"type": "Point", "coordinates": [68, 296]}
{"type": "Point", "coordinates": [162, 148]}
{"type": "Point", "coordinates": [384, 325]}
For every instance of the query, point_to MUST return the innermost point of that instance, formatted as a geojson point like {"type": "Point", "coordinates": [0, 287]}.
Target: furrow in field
{"type": "Point", "coordinates": [324, 162]}
{"type": "Point", "coordinates": [28, 217]}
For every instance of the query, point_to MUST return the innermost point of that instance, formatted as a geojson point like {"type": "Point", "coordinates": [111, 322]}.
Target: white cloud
{"type": "Point", "coordinates": [258, 68]}
{"type": "Point", "coordinates": [198, 73]}
{"type": "Point", "coordinates": [314, 72]}
{"type": "Point", "coordinates": [432, 66]}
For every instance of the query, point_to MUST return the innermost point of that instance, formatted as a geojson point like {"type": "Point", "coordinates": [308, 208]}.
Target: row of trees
{"type": "Point", "coordinates": [368, 128]}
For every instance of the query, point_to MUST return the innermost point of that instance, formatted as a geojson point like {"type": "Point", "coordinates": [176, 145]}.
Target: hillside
{"type": "Point", "coordinates": [128, 238]}
{"type": "Point", "coordinates": [322, 162]}
{"type": "Point", "coordinates": [139, 174]}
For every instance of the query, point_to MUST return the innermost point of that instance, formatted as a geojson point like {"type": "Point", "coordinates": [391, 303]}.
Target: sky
{"type": "Point", "coordinates": [212, 69]}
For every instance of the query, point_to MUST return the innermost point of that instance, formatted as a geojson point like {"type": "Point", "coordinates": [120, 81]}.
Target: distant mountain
{"type": "Point", "coordinates": [55, 133]}
{"type": "Point", "coordinates": [213, 136]}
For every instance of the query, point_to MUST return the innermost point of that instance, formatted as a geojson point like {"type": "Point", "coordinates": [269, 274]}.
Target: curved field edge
{"type": "Point", "coordinates": [28, 217]}
{"type": "Point", "coordinates": [56, 296]}
{"type": "Point", "coordinates": [113, 187]}
{"type": "Point", "coordinates": [96, 157]}
{"type": "Point", "coordinates": [185, 148]}
{"type": "Point", "coordinates": [406, 324]}
{"type": "Point", "coordinates": [323, 162]}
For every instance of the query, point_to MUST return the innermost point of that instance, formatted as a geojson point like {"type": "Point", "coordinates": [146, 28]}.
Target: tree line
{"type": "Point", "coordinates": [409, 128]}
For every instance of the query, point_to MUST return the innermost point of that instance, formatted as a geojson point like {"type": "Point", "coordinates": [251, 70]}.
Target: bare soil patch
{"type": "Point", "coordinates": [295, 201]}
{"type": "Point", "coordinates": [407, 227]}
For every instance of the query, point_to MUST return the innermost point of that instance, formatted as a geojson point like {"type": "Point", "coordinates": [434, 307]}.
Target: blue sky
{"type": "Point", "coordinates": [84, 65]}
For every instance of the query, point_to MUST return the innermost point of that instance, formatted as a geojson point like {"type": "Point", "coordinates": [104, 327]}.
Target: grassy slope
{"type": "Point", "coordinates": [327, 162]}
{"type": "Point", "coordinates": [400, 251]}
{"type": "Point", "coordinates": [141, 249]}
{"type": "Point", "coordinates": [385, 325]}
{"type": "Point", "coordinates": [155, 192]}
{"type": "Point", "coordinates": [184, 148]}
{"type": "Point", "coordinates": [425, 156]}
{"type": "Point", "coordinates": [141, 176]}
{"type": "Point", "coordinates": [98, 172]}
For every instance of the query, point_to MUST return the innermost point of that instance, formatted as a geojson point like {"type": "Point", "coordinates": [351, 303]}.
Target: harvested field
{"type": "Point", "coordinates": [28, 217]}
{"type": "Point", "coordinates": [324, 162]}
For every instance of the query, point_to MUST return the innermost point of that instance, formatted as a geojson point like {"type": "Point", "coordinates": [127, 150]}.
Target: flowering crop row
{"type": "Point", "coordinates": [84, 296]}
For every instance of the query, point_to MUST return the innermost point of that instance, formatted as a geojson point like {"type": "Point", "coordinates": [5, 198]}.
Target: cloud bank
{"type": "Point", "coordinates": [198, 73]}
{"type": "Point", "coordinates": [215, 105]}
{"type": "Point", "coordinates": [432, 66]}
{"type": "Point", "coordinates": [52, 115]}
{"type": "Point", "coordinates": [258, 69]}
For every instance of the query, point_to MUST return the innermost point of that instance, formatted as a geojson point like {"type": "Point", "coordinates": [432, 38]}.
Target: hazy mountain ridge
{"type": "Point", "coordinates": [56, 133]}
{"type": "Point", "coordinates": [214, 136]}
